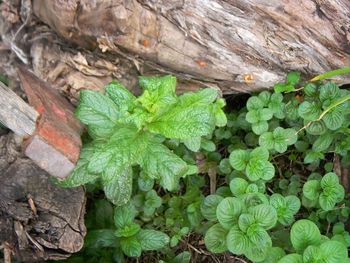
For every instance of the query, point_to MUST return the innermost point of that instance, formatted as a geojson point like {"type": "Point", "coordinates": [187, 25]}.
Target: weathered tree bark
{"type": "Point", "coordinates": [240, 45]}
{"type": "Point", "coordinates": [38, 220]}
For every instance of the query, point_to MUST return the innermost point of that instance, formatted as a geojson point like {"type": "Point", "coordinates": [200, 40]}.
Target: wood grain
{"type": "Point", "coordinates": [217, 42]}
{"type": "Point", "coordinates": [16, 114]}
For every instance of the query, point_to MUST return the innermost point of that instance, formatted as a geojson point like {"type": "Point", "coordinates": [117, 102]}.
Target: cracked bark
{"type": "Point", "coordinates": [212, 42]}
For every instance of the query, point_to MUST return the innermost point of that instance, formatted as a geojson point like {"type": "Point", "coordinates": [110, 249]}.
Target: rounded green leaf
{"type": "Point", "coordinates": [269, 171]}
{"type": "Point", "coordinates": [254, 103]}
{"type": "Point", "coordinates": [260, 127]}
{"type": "Point", "coordinates": [145, 183]}
{"type": "Point", "coordinates": [215, 239]}
{"type": "Point", "coordinates": [311, 189]}
{"type": "Point", "coordinates": [293, 203]}
{"type": "Point", "coordinates": [266, 114]}
{"type": "Point", "coordinates": [152, 239]}
{"type": "Point", "coordinates": [329, 91]}
{"type": "Point", "coordinates": [309, 110]}
{"type": "Point", "coordinates": [327, 201]}
{"type": "Point", "coordinates": [237, 241]}
{"type": "Point", "coordinates": [291, 258]}
{"type": "Point", "coordinates": [266, 140]}
{"type": "Point", "coordinates": [131, 246]}
{"type": "Point", "coordinates": [264, 96]}
{"type": "Point", "coordinates": [228, 211]}
{"type": "Point", "coordinates": [316, 127]}
{"type": "Point", "coordinates": [323, 142]}
{"type": "Point", "coordinates": [334, 119]}
{"type": "Point", "coordinates": [239, 159]}
{"type": "Point", "coordinates": [304, 233]}
{"type": "Point", "coordinates": [253, 116]}
{"type": "Point", "coordinates": [310, 89]}
{"type": "Point", "coordinates": [312, 254]}
{"type": "Point", "coordinates": [209, 206]}
{"type": "Point", "coordinates": [238, 186]}
{"type": "Point", "coordinates": [245, 221]}
{"type": "Point", "coordinates": [258, 236]}
{"type": "Point", "coordinates": [259, 153]}
{"type": "Point", "coordinates": [329, 180]}
{"type": "Point", "coordinates": [265, 215]}
{"type": "Point", "coordinates": [334, 252]}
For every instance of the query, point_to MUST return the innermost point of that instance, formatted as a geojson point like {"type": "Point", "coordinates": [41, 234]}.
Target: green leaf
{"type": "Point", "coordinates": [334, 252]}
{"type": "Point", "coordinates": [131, 246]}
{"type": "Point", "coordinates": [239, 159]}
{"type": "Point", "coordinates": [259, 237]}
{"type": "Point", "coordinates": [259, 169]}
{"type": "Point", "coordinates": [193, 143]}
{"type": "Point", "coordinates": [209, 206]}
{"type": "Point", "coordinates": [312, 254]}
{"type": "Point", "coordinates": [246, 221]}
{"type": "Point", "coordinates": [275, 253]}
{"type": "Point", "coordinates": [238, 186]}
{"type": "Point", "coordinates": [237, 242]}
{"type": "Point", "coordinates": [266, 114]}
{"type": "Point", "coordinates": [286, 207]}
{"type": "Point", "coordinates": [334, 119]}
{"type": "Point", "coordinates": [253, 116]}
{"type": "Point", "coordinates": [282, 87]}
{"type": "Point", "coordinates": [259, 153]}
{"type": "Point", "coordinates": [304, 233]}
{"type": "Point", "coordinates": [322, 142]}
{"type": "Point", "coordinates": [208, 145]}
{"type": "Point", "coordinates": [128, 230]}
{"type": "Point", "coordinates": [96, 239]}
{"type": "Point", "coordinates": [118, 189]}
{"type": "Point", "coordinates": [80, 174]}
{"type": "Point", "coordinates": [184, 257]}
{"type": "Point", "coordinates": [316, 128]}
{"type": "Point", "coordinates": [311, 189]}
{"type": "Point", "coordinates": [220, 116]}
{"type": "Point", "coordinates": [309, 110]}
{"type": "Point", "coordinates": [98, 112]}
{"type": "Point", "coordinates": [124, 215]}
{"type": "Point", "coordinates": [215, 239]}
{"type": "Point", "coordinates": [228, 211]}
{"type": "Point", "coordinates": [291, 258]}
{"type": "Point", "coordinates": [191, 115]}
{"type": "Point", "coordinates": [329, 91]}
{"type": "Point", "coordinates": [260, 127]}
{"type": "Point", "coordinates": [267, 140]}
{"type": "Point", "coordinates": [152, 199]}
{"type": "Point", "coordinates": [152, 239]}
{"type": "Point", "coordinates": [145, 183]}
{"type": "Point", "coordinates": [264, 215]}
{"type": "Point", "coordinates": [293, 77]}
{"type": "Point", "coordinates": [120, 95]}
{"type": "Point", "coordinates": [159, 162]}
{"type": "Point", "coordinates": [329, 180]}
{"type": "Point", "coordinates": [310, 89]}
{"type": "Point", "coordinates": [312, 156]}
{"type": "Point", "coordinates": [254, 103]}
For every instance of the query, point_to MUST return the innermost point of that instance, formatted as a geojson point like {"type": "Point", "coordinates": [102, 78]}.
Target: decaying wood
{"type": "Point", "coordinates": [240, 45]}
{"type": "Point", "coordinates": [15, 113]}
{"type": "Point", "coordinates": [38, 220]}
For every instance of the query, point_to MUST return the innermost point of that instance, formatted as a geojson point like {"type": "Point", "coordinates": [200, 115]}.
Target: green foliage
{"type": "Point", "coordinates": [129, 131]}
{"type": "Point", "coordinates": [260, 185]}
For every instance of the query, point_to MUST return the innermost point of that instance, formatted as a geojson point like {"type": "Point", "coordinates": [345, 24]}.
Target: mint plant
{"type": "Point", "coordinates": [127, 131]}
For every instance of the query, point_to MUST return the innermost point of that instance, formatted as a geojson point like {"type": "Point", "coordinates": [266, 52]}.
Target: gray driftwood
{"type": "Point", "coordinates": [239, 45]}
{"type": "Point", "coordinates": [15, 113]}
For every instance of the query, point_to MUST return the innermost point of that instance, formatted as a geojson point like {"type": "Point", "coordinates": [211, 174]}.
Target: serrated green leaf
{"type": "Point", "coordinates": [98, 112]}
{"type": "Point", "coordinates": [191, 115]}
{"type": "Point", "coordinates": [215, 239]}
{"type": "Point", "coordinates": [118, 189]}
{"type": "Point", "coordinates": [193, 143]}
{"type": "Point", "coordinates": [120, 95]}
{"type": "Point", "coordinates": [228, 211]}
{"type": "Point", "coordinates": [160, 163]}
{"type": "Point", "coordinates": [124, 215]}
{"type": "Point", "coordinates": [311, 189]}
{"type": "Point", "coordinates": [131, 246]}
{"type": "Point", "coordinates": [238, 186]}
{"type": "Point", "coordinates": [80, 174]}
{"type": "Point", "coordinates": [152, 239]}
{"type": "Point", "coordinates": [237, 242]}
{"type": "Point", "coordinates": [209, 206]}
{"type": "Point", "coordinates": [264, 215]}
{"type": "Point", "coordinates": [239, 159]}
{"type": "Point", "coordinates": [304, 233]}
{"type": "Point", "coordinates": [128, 230]}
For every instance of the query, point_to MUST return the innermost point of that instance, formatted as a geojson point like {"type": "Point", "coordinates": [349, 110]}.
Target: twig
{"type": "Point", "coordinates": [7, 252]}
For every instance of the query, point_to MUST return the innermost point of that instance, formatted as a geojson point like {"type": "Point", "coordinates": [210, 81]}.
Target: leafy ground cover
{"type": "Point", "coordinates": [185, 182]}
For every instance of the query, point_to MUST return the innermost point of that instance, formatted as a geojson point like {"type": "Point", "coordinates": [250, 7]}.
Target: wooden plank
{"type": "Point", "coordinates": [15, 113]}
